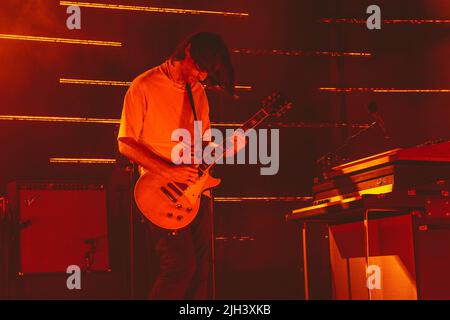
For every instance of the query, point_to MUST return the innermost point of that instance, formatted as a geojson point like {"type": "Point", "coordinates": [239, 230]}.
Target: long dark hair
{"type": "Point", "coordinates": [211, 54]}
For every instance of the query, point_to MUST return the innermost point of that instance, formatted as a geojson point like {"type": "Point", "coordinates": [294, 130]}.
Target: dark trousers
{"type": "Point", "coordinates": [184, 258]}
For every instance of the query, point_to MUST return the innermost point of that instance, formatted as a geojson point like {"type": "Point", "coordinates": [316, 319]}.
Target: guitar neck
{"type": "Point", "coordinates": [253, 122]}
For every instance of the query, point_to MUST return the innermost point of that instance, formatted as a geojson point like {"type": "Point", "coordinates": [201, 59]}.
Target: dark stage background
{"type": "Point", "coordinates": [403, 56]}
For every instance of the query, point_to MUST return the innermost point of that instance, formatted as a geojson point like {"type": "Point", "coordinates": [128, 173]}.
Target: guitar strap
{"type": "Point", "coordinates": [191, 99]}
{"type": "Point", "coordinates": [197, 130]}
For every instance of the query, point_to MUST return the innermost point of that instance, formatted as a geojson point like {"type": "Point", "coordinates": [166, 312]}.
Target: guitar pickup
{"type": "Point", "coordinates": [174, 188]}
{"type": "Point", "coordinates": [168, 194]}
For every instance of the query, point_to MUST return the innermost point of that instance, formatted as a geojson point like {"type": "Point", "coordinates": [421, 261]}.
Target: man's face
{"type": "Point", "coordinates": [191, 71]}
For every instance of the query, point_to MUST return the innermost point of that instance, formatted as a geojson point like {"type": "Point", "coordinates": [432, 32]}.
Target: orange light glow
{"type": "Point", "coordinates": [58, 119]}
{"type": "Point", "coordinates": [82, 160]}
{"type": "Point", "coordinates": [59, 40]}
{"type": "Point", "coordinates": [241, 199]}
{"type": "Point", "coordinates": [384, 90]}
{"type": "Point", "coordinates": [87, 120]}
{"type": "Point", "coordinates": [325, 205]}
{"type": "Point", "coordinates": [227, 124]}
{"type": "Point", "coordinates": [317, 125]}
{"type": "Point", "coordinates": [214, 124]}
{"type": "Point", "coordinates": [119, 83]}
{"type": "Point", "coordinates": [368, 162]}
{"type": "Point", "coordinates": [297, 53]}
{"type": "Point", "coordinates": [388, 21]}
{"type": "Point", "coordinates": [95, 82]}
{"type": "Point", "coordinates": [150, 9]}
{"type": "Point", "coordinates": [418, 21]}
{"type": "Point", "coordinates": [244, 88]}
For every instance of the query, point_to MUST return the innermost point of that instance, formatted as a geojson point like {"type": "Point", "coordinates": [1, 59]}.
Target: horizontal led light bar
{"type": "Point", "coordinates": [59, 40]}
{"type": "Point", "coordinates": [242, 199]}
{"type": "Point", "coordinates": [214, 124]}
{"type": "Point", "coordinates": [387, 21]}
{"type": "Point", "coordinates": [151, 9]}
{"type": "Point", "coordinates": [304, 125]}
{"type": "Point", "coordinates": [323, 125]}
{"type": "Point", "coordinates": [227, 124]}
{"type": "Point", "coordinates": [297, 53]}
{"type": "Point", "coordinates": [95, 82]}
{"type": "Point", "coordinates": [244, 88]}
{"type": "Point", "coordinates": [58, 119]}
{"type": "Point", "coordinates": [86, 120]}
{"type": "Point", "coordinates": [119, 83]}
{"type": "Point", "coordinates": [82, 161]}
{"type": "Point", "coordinates": [384, 90]}
{"type": "Point", "coordinates": [235, 238]}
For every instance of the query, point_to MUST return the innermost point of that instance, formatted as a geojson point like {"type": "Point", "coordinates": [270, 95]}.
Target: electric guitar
{"type": "Point", "coordinates": [172, 205]}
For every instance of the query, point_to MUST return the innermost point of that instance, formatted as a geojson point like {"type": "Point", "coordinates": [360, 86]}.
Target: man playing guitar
{"type": "Point", "coordinates": [159, 101]}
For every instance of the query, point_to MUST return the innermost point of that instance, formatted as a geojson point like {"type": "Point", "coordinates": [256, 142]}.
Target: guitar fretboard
{"type": "Point", "coordinates": [253, 122]}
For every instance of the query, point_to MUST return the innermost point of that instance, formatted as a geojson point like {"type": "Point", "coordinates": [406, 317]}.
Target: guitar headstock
{"type": "Point", "coordinates": [276, 104]}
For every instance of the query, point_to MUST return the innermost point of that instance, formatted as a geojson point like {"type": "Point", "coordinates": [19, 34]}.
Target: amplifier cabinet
{"type": "Point", "coordinates": [57, 225]}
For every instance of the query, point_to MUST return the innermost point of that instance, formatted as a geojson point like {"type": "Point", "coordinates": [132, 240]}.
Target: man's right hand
{"type": "Point", "coordinates": [181, 173]}
{"type": "Point", "coordinates": [151, 162]}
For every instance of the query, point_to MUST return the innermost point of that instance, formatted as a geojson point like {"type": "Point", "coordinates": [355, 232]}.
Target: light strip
{"type": "Point", "coordinates": [298, 53]}
{"type": "Point", "coordinates": [227, 124]}
{"type": "Point", "coordinates": [319, 125]}
{"type": "Point", "coordinates": [244, 88]}
{"type": "Point", "coordinates": [60, 40]}
{"type": "Point", "coordinates": [241, 199]}
{"type": "Point", "coordinates": [82, 160]}
{"type": "Point", "coordinates": [214, 124]}
{"type": "Point", "coordinates": [151, 9]}
{"type": "Point", "coordinates": [87, 120]}
{"type": "Point", "coordinates": [95, 82]}
{"type": "Point", "coordinates": [384, 90]}
{"type": "Point", "coordinates": [58, 119]}
{"type": "Point", "coordinates": [118, 83]}
{"type": "Point", "coordinates": [387, 21]}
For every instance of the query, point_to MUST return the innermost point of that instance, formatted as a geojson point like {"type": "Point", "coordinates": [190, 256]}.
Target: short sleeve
{"type": "Point", "coordinates": [133, 113]}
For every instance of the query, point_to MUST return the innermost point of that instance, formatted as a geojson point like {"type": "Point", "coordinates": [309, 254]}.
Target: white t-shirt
{"type": "Point", "coordinates": [155, 106]}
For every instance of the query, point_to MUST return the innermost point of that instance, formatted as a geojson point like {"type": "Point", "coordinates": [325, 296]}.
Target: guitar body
{"type": "Point", "coordinates": [168, 205]}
